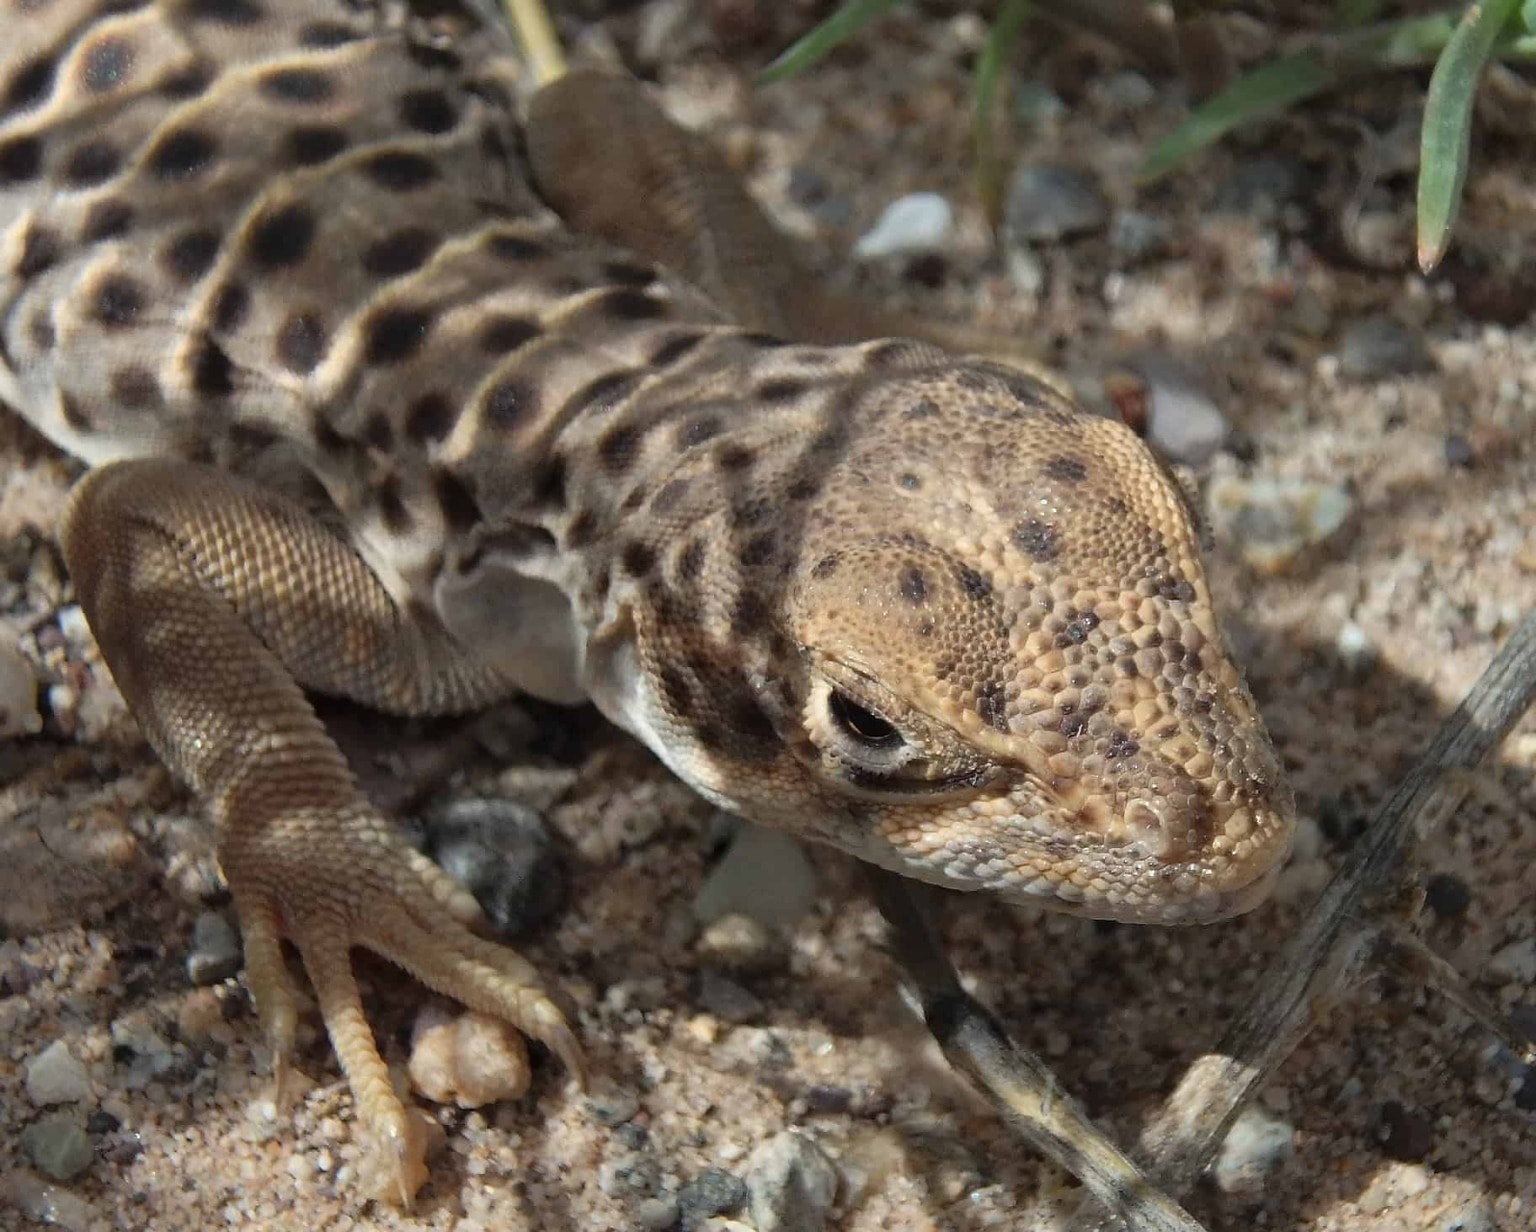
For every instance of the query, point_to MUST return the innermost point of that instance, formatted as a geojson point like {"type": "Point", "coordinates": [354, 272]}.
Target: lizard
{"type": "Point", "coordinates": [386, 392]}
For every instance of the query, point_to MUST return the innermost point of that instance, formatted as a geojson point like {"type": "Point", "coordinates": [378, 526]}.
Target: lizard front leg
{"type": "Point", "coordinates": [213, 602]}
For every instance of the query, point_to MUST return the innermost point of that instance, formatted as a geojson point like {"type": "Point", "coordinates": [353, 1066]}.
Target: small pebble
{"type": "Point", "coordinates": [45, 1204]}
{"type": "Point", "coordinates": [791, 1185]}
{"type": "Point", "coordinates": [1274, 522]}
{"type": "Point", "coordinates": [917, 223]}
{"type": "Point", "coordinates": [503, 853]}
{"type": "Point", "coordinates": [825, 1100]}
{"type": "Point", "coordinates": [740, 944]}
{"type": "Point", "coordinates": [1046, 203]}
{"type": "Point", "coordinates": [1136, 236]}
{"type": "Point", "coordinates": [1183, 421]}
{"type": "Point", "coordinates": [1036, 103]}
{"type": "Point", "coordinates": [1355, 649]}
{"type": "Point", "coordinates": [1474, 1217]}
{"type": "Point", "coordinates": [1381, 347]}
{"type": "Point", "coordinates": [1459, 453]}
{"type": "Point", "coordinates": [215, 953]}
{"type": "Point", "coordinates": [712, 1192]}
{"type": "Point", "coordinates": [657, 1214]}
{"type": "Point", "coordinates": [1128, 91]}
{"type": "Point", "coordinates": [1447, 895]}
{"type": "Point", "coordinates": [58, 1146]}
{"type": "Point", "coordinates": [1255, 1148]}
{"type": "Point", "coordinates": [56, 1076]}
{"type": "Point", "coordinates": [468, 1059]}
{"type": "Point", "coordinates": [633, 1175]}
{"type": "Point", "coordinates": [1514, 963]}
{"type": "Point", "coordinates": [726, 999]}
{"type": "Point", "coordinates": [19, 715]}
{"type": "Point", "coordinates": [613, 1107]}
{"type": "Point", "coordinates": [1404, 1133]}
{"type": "Point", "coordinates": [1261, 187]}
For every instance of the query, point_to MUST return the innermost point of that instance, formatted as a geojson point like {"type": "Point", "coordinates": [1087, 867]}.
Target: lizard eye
{"type": "Point", "coordinates": [862, 726]}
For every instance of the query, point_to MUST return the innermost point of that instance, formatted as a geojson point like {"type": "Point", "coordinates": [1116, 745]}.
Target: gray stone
{"type": "Point", "coordinates": [1183, 421]}
{"type": "Point", "coordinates": [1379, 347]}
{"type": "Point", "coordinates": [726, 999]}
{"type": "Point", "coordinates": [764, 875]}
{"type": "Point", "coordinates": [1046, 203]}
{"type": "Point", "coordinates": [791, 1185]}
{"type": "Point", "coordinates": [1474, 1217]}
{"type": "Point", "coordinates": [712, 1192]}
{"type": "Point", "coordinates": [58, 1146]}
{"type": "Point", "coordinates": [56, 1076]}
{"type": "Point", "coordinates": [215, 953]}
{"type": "Point", "coordinates": [503, 853]}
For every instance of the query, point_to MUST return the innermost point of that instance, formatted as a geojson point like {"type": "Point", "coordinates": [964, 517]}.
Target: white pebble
{"type": "Point", "coordinates": [917, 223]}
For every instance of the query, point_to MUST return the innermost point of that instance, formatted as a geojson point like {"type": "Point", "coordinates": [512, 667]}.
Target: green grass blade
{"type": "Point", "coordinates": [843, 24]}
{"type": "Point", "coordinates": [989, 71]}
{"type": "Point", "coordinates": [1269, 88]}
{"type": "Point", "coordinates": [1447, 133]}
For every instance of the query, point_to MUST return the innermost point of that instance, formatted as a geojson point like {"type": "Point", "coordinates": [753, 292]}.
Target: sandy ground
{"type": "Point", "coordinates": [1406, 1118]}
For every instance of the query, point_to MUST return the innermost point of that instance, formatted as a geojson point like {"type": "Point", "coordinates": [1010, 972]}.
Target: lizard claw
{"type": "Point", "coordinates": [357, 886]}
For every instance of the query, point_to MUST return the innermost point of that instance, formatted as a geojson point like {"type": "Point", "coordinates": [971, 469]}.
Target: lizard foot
{"type": "Point", "coordinates": [331, 884]}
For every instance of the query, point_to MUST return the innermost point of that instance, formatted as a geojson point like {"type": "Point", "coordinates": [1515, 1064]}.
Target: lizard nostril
{"type": "Point", "coordinates": [1149, 829]}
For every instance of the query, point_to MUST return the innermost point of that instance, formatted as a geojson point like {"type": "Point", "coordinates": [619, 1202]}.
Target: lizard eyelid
{"type": "Point", "coordinates": [861, 724]}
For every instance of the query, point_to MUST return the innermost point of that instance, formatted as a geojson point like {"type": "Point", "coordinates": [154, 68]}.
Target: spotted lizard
{"type": "Point", "coordinates": [396, 390]}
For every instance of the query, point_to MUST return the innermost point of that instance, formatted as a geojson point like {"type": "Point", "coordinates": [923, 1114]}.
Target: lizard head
{"type": "Point", "coordinates": [985, 655]}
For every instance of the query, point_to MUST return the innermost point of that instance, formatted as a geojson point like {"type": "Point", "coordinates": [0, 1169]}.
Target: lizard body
{"type": "Point", "coordinates": [377, 410]}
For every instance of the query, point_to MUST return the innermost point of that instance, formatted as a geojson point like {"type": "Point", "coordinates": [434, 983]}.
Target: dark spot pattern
{"type": "Point", "coordinates": [312, 144]}
{"type": "Point", "coordinates": [1040, 541]}
{"type": "Point", "coordinates": [428, 111]}
{"type": "Point", "coordinates": [91, 163]}
{"type": "Point", "coordinates": [379, 433]}
{"type": "Point", "coordinates": [582, 529]}
{"type": "Point", "coordinates": [39, 250]}
{"type": "Point", "coordinates": [508, 403]}
{"type": "Point", "coordinates": [784, 390]}
{"type": "Point", "coordinates": [395, 516]}
{"type": "Point", "coordinates": [690, 561]}
{"type": "Point", "coordinates": [21, 159]}
{"type": "Point", "coordinates": [501, 335]}
{"type": "Point", "coordinates": [909, 481]}
{"type": "Point", "coordinates": [213, 375]}
{"type": "Point", "coordinates": [637, 559]}
{"type": "Point", "coordinates": [400, 171]}
{"type": "Point", "coordinates": [430, 418]}
{"type": "Point", "coordinates": [749, 614]}
{"type": "Point", "coordinates": [826, 566]}
{"type": "Point", "coordinates": [30, 85]}
{"type": "Point", "coordinates": [324, 35]}
{"type": "Point", "coordinates": [226, 12]}
{"type": "Point", "coordinates": [303, 87]}
{"type": "Point", "coordinates": [735, 459]}
{"type": "Point", "coordinates": [190, 255]}
{"type": "Point", "coordinates": [1066, 469]}
{"type": "Point", "coordinates": [282, 238]}
{"type": "Point", "coordinates": [674, 349]}
{"type": "Point", "coordinates": [976, 584]}
{"type": "Point", "coordinates": [392, 335]}
{"type": "Point", "coordinates": [992, 705]}
{"type": "Point", "coordinates": [670, 496]}
{"type": "Point", "coordinates": [605, 392]}
{"type": "Point", "coordinates": [106, 65]}
{"type": "Point", "coordinates": [135, 388]}
{"type": "Point", "coordinates": [628, 304]}
{"type": "Point", "coordinates": [300, 342]}
{"type": "Point", "coordinates": [912, 585]}
{"type": "Point", "coordinates": [182, 154]}
{"type": "Point", "coordinates": [515, 247]}
{"type": "Point", "coordinates": [73, 413]}
{"type": "Point", "coordinates": [400, 253]}
{"type": "Point", "coordinates": [759, 550]}
{"type": "Point", "coordinates": [106, 220]}
{"type": "Point", "coordinates": [230, 307]}
{"type": "Point", "coordinates": [618, 448]}
{"type": "Point", "coordinates": [1121, 744]}
{"type": "Point", "coordinates": [117, 301]}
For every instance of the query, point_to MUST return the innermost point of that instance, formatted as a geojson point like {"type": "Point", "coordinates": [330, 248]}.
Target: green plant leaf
{"type": "Point", "coordinates": [989, 71]}
{"type": "Point", "coordinates": [1446, 137]}
{"type": "Point", "coordinates": [1269, 88]}
{"type": "Point", "coordinates": [843, 24]}
{"type": "Point", "coordinates": [1528, 16]}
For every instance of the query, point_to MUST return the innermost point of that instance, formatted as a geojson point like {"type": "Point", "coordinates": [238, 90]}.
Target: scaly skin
{"type": "Point", "coordinates": [371, 419]}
